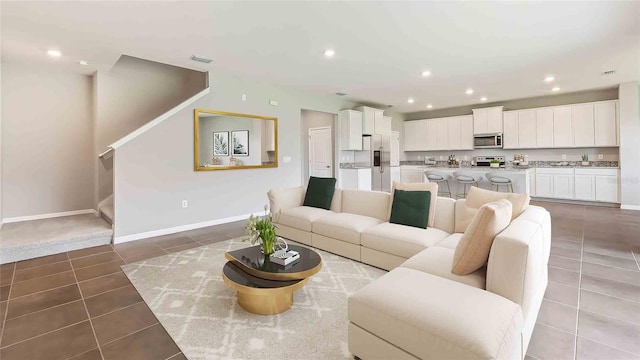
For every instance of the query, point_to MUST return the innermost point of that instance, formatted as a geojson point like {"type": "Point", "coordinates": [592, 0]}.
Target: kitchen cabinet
{"type": "Point", "coordinates": [510, 134]}
{"type": "Point", "coordinates": [544, 185]}
{"type": "Point", "coordinates": [411, 174]}
{"type": "Point", "coordinates": [526, 129]}
{"type": "Point", "coordinates": [555, 183]}
{"type": "Point", "coordinates": [394, 154]}
{"type": "Point", "coordinates": [466, 132]}
{"type": "Point", "coordinates": [583, 126]}
{"type": "Point", "coordinates": [350, 129]}
{"type": "Point", "coordinates": [563, 186]}
{"type": "Point", "coordinates": [372, 117]}
{"type": "Point", "coordinates": [454, 135]}
{"type": "Point", "coordinates": [487, 120]}
{"type": "Point", "coordinates": [562, 129]}
{"type": "Point", "coordinates": [606, 124]}
{"type": "Point", "coordinates": [532, 182]}
{"type": "Point", "coordinates": [607, 188]}
{"type": "Point", "coordinates": [585, 187]}
{"type": "Point", "coordinates": [410, 132]}
{"type": "Point", "coordinates": [355, 179]}
{"type": "Point", "coordinates": [395, 174]}
{"type": "Point", "coordinates": [442, 131]}
{"type": "Point", "coordinates": [544, 128]}
{"type": "Point", "coordinates": [432, 135]}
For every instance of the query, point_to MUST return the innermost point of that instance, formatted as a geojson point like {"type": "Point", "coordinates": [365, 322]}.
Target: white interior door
{"type": "Point", "coordinates": [320, 152]}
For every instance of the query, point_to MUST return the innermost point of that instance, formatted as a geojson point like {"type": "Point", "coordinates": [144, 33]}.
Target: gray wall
{"type": "Point", "coordinates": [47, 142]}
{"type": "Point", "coordinates": [314, 119]}
{"type": "Point", "coordinates": [630, 144]}
{"type": "Point", "coordinates": [150, 185]}
{"type": "Point", "coordinates": [133, 93]}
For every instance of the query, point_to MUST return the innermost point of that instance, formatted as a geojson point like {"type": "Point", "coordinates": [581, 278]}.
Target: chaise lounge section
{"type": "Point", "coordinates": [421, 309]}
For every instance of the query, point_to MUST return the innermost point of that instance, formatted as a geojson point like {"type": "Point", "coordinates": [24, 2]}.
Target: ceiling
{"type": "Point", "coordinates": [503, 50]}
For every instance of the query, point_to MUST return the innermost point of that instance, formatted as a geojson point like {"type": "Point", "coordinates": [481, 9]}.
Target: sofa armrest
{"type": "Point", "coordinates": [435, 318]}
{"type": "Point", "coordinates": [285, 198]}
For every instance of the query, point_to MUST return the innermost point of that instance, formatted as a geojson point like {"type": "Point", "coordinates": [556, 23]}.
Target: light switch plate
{"type": "Point", "coordinates": [273, 102]}
{"type": "Point", "coordinates": [286, 159]}
{"type": "Point", "coordinates": [244, 97]}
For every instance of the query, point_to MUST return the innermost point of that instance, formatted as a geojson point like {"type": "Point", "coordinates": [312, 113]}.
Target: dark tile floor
{"type": "Point", "coordinates": [79, 305]}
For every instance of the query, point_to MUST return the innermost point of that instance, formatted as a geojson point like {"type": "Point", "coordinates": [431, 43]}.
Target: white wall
{"type": "Point", "coordinates": [133, 93]}
{"type": "Point", "coordinates": [47, 141]}
{"type": "Point", "coordinates": [154, 172]}
{"type": "Point", "coordinates": [630, 145]}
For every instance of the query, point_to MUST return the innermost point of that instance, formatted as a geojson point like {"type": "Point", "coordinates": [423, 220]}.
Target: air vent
{"type": "Point", "coordinates": [341, 93]}
{"type": "Point", "coordinates": [201, 59]}
{"type": "Point", "coordinates": [608, 72]}
{"type": "Point", "coordinates": [389, 105]}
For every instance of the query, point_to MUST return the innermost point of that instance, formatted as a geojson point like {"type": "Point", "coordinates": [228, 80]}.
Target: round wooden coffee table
{"type": "Point", "coordinates": [263, 287]}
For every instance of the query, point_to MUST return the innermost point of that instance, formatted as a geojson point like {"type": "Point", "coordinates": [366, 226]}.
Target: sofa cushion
{"type": "Point", "coordinates": [367, 203]}
{"type": "Point", "coordinates": [472, 251]}
{"type": "Point", "coordinates": [400, 240]}
{"type": "Point", "coordinates": [461, 322]}
{"type": "Point", "coordinates": [428, 186]}
{"type": "Point", "coordinates": [410, 208]}
{"type": "Point", "coordinates": [343, 226]}
{"type": "Point", "coordinates": [301, 217]}
{"type": "Point", "coordinates": [320, 192]}
{"type": "Point", "coordinates": [437, 261]}
{"type": "Point", "coordinates": [478, 197]}
{"type": "Point", "coordinates": [451, 241]}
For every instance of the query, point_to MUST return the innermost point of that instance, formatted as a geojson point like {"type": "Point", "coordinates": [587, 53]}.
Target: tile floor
{"type": "Point", "coordinates": [85, 308]}
{"type": "Point", "coordinates": [80, 305]}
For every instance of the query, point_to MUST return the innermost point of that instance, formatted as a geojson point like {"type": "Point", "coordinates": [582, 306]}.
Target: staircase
{"type": "Point", "coordinates": [105, 209]}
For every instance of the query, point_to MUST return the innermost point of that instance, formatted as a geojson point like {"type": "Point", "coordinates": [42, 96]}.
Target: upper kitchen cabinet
{"type": "Point", "coordinates": [466, 132]}
{"type": "Point", "coordinates": [544, 128]}
{"type": "Point", "coordinates": [510, 134]}
{"type": "Point", "coordinates": [350, 122]}
{"type": "Point", "coordinates": [442, 131]}
{"type": "Point", "coordinates": [606, 124]}
{"type": "Point", "coordinates": [562, 129]}
{"type": "Point", "coordinates": [487, 120]}
{"type": "Point", "coordinates": [410, 130]}
{"type": "Point", "coordinates": [526, 129]}
{"type": "Point", "coordinates": [583, 125]}
{"type": "Point", "coordinates": [373, 121]}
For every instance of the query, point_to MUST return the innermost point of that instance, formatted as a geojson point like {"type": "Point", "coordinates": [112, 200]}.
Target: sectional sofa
{"type": "Point", "coordinates": [420, 309]}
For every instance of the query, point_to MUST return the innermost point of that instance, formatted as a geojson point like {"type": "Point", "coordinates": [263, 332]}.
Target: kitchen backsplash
{"type": "Point", "coordinates": [532, 164]}
{"type": "Point", "coordinates": [608, 154]}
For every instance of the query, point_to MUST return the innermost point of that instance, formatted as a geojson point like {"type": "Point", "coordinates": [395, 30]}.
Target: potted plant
{"type": "Point", "coordinates": [494, 163]}
{"type": "Point", "coordinates": [261, 230]}
{"type": "Point", "coordinates": [585, 160]}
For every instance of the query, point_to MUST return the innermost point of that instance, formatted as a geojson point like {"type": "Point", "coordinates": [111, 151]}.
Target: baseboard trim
{"type": "Point", "coordinates": [176, 229]}
{"type": "Point", "coordinates": [48, 216]}
{"type": "Point", "coordinates": [630, 207]}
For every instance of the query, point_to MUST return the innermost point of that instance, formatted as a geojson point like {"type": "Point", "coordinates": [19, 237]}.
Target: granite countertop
{"type": "Point", "coordinates": [466, 165]}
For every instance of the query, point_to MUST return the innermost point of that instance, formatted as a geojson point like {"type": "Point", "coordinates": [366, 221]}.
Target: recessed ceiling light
{"type": "Point", "coordinates": [469, 91]}
{"type": "Point", "coordinates": [429, 106]}
{"type": "Point", "coordinates": [54, 53]}
{"type": "Point", "coordinates": [329, 53]}
{"type": "Point", "coordinates": [410, 101]}
{"type": "Point", "coordinates": [484, 98]}
{"type": "Point", "coordinates": [426, 73]}
{"type": "Point", "coordinates": [555, 89]}
{"type": "Point", "coordinates": [83, 62]}
{"type": "Point", "coordinates": [549, 78]}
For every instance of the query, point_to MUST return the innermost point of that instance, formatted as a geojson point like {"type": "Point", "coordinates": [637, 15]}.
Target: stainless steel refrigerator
{"type": "Point", "coordinates": [380, 161]}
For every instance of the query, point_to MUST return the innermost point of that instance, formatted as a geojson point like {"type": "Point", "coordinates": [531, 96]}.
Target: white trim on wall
{"type": "Point", "coordinates": [630, 207]}
{"type": "Point", "coordinates": [177, 229]}
{"type": "Point", "coordinates": [48, 216]}
{"type": "Point", "coordinates": [151, 124]}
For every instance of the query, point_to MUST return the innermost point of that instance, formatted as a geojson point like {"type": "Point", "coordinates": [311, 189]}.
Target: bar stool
{"type": "Point", "coordinates": [439, 177]}
{"type": "Point", "coordinates": [499, 181]}
{"type": "Point", "coordinates": [465, 178]}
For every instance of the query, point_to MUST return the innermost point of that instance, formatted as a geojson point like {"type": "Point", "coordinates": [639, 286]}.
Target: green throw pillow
{"type": "Point", "coordinates": [320, 192]}
{"type": "Point", "coordinates": [410, 208]}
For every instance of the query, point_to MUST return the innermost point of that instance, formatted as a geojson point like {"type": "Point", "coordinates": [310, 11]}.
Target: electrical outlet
{"type": "Point", "coordinates": [464, 157]}
{"type": "Point", "coordinates": [564, 156]}
{"type": "Point", "coordinates": [419, 157]}
{"type": "Point", "coordinates": [286, 159]}
{"type": "Point", "coordinates": [600, 156]}
{"type": "Point", "coordinates": [244, 97]}
{"type": "Point", "coordinates": [185, 204]}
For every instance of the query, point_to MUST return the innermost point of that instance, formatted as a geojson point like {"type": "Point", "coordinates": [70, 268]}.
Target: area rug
{"type": "Point", "coordinates": [186, 293]}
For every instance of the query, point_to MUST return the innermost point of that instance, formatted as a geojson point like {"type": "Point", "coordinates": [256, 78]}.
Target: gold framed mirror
{"type": "Point", "coordinates": [230, 141]}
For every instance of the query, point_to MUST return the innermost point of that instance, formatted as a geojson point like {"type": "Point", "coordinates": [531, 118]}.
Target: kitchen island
{"type": "Point", "coordinates": [518, 176]}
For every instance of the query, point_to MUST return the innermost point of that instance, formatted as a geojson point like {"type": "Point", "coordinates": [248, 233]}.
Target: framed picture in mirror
{"type": "Point", "coordinates": [240, 143]}
{"type": "Point", "coordinates": [221, 143]}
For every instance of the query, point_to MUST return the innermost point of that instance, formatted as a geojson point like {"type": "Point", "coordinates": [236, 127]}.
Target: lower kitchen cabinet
{"type": "Point", "coordinates": [607, 188]}
{"type": "Point", "coordinates": [585, 187]}
{"type": "Point", "coordinates": [563, 186]}
{"type": "Point", "coordinates": [587, 184]}
{"type": "Point", "coordinates": [544, 185]}
{"type": "Point", "coordinates": [355, 179]}
{"type": "Point", "coordinates": [411, 174]}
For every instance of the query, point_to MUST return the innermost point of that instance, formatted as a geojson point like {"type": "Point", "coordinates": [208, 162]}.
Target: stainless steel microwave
{"type": "Point", "coordinates": [487, 141]}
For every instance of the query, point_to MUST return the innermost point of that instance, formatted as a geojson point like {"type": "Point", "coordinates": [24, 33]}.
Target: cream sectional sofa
{"type": "Point", "coordinates": [420, 310]}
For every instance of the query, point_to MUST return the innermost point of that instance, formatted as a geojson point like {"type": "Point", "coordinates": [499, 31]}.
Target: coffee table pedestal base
{"type": "Point", "coordinates": [269, 304]}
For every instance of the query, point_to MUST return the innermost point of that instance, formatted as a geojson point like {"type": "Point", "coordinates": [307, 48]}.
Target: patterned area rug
{"type": "Point", "coordinates": [186, 293]}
